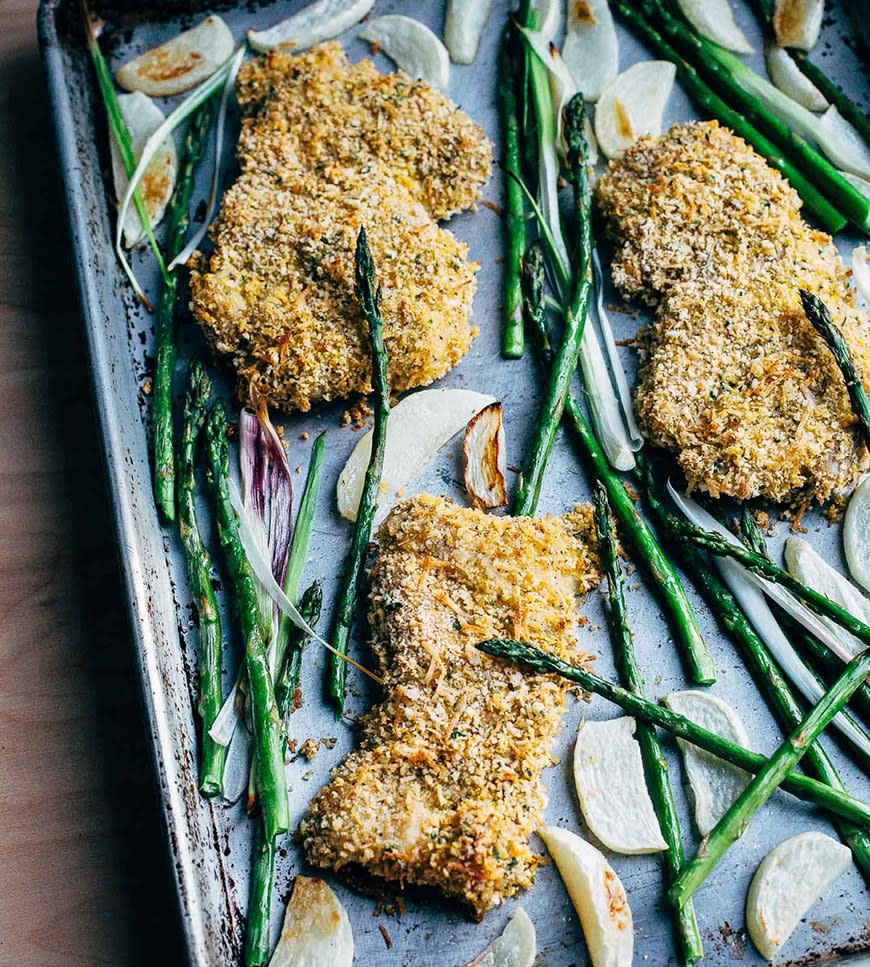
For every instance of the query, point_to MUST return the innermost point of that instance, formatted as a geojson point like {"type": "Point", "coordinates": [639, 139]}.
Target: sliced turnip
{"type": "Point", "coordinates": [633, 105]}
{"type": "Point", "coordinates": [463, 27]}
{"type": "Point", "coordinates": [486, 458]}
{"type": "Point", "coordinates": [316, 929]}
{"type": "Point", "coordinates": [515, 947]}
{"type": "Point", "coordinates": [420, 424]}
{"type": "Point", "coordinates": [315, 23]}
{"type": "Point", "coordinates": [598, 897]}
{"type": "Point", "coordinates": [143, 117]}
{"type": "Point", "coordinates": [797, 23]}
{"type": "Point", "coordinates": [791, 80]}
{"type": "Point", "coordinates": [590, 49]}
{"type": "Point", "coordinates": [811, 569]}
{"type": "Point", "coordinates": [714, 784]}
{"type": "Point", "coordinates": [843, 144]}
{"type": "Point", "coordinates": [856, 534]}
{"type": "Point", "coordinates": [609, 778]}
{"type": "Point", "coordinates": [549, 17]}
{"type": "Point", "coordinates": [715, 20]}
{"type": "Point", "coordinates": [181, 63]}
{"type": "Point", "coordinates": [788, 881]}
{"type": "Point", "coordinates": [413, 47]}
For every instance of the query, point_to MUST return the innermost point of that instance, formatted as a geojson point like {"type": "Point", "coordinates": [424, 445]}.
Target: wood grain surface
{"type": "Point", "coordinates": [84, 875]}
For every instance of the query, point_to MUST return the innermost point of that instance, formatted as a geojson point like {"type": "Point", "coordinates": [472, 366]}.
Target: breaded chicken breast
{"type": "Point", "coordinates": [327, 147]}
{"type": "Point", "coordinates": [732, 377]}
{"type": "Point", "coordinates": [445, 788]}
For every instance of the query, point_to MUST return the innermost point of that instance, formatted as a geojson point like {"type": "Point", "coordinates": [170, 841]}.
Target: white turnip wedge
{"type": "Point", "coordinates": [486, 458]}
{"type": "Point", "coordinates": [633, 105]}
{"type": "Point", "coordinates": [590, 49]}
{"type": "Point", "coordinates": [181, 63]}
{"type": "Point", "coordinates": [791, 80]}
{"type": "Point", "coordinates": [713, 783]}
{"type": "Point", "coordinates": [515, 947]}
{"type": "Point", "coordinates": [420, 424]}
{"type": "Point", "coordinates": [610, 783]}
{"type": "Point", "coordinates": [856, 533]}
{"type": "Point", "coordinates": [412, 46]}
{"type": "Point", "coordinates": [750, 591]}
{"type": "Point", "coordinates": [714, 19]}
{"type": "Point", "coordinates": [796, 23]}
{"type": "Point", "coordinates": [463, 27]}
{"type": "Point", "coordinates": [861, 269]}
{"type": "Point", "coordinates": [843, 144]}
{"type": "Point", "coordinates": [815, 572]}
{"type": "Point", "coordinates": [316, 930]}
{"type": "Point", "coordinates": [598, 897]}
{"type": "Point", "coordinates": [788, 881]}
{"type": "Point", "coordinates": [549, 17]}
{"type": "Point", "coordinates": [312, 25]}
{"type": "Point", "coordinates": [143, 117]}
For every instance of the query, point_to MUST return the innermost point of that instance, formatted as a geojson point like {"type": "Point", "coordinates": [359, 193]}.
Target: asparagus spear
{"type": "Point", "coordinates": [844, 104]}
{"type": "Point", "coordinates": [723, 68]}
{"type": "Point", "coordinates": [780, 697]}
{"type": "Point", "coordinates": [369, 297]}
{"type": "Point", "coordinates": [702, 668]}
{"type": "Point", "coordinates": [826, 662]}
{"type": "Point", "coordinates": [287, 679]}
{"type": "Point", "coordinates": [731, 826]}
{"type": "Point", "coordinates": [827, 214]}
{"type": "Point", "coordinates": [655, 765]}
{"type": "Point", "coordinates": [541, 662]}
{"type": "Point", "coordinates": [164, 367]}
{"type": "Point", "coordinates": [268, 741]}
{"type": "Point", "coordinates": [257, 938]}
{"type": "Point", "coordinates": [212, 755]}
{"type": "Point", "coordinates": [818, 314]}
{"type": "Point", "coordinates": [512, 335]}
{"type": "Point", "coordinates": [565, 362]}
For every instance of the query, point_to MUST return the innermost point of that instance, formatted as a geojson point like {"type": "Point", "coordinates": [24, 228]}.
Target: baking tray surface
{"type": "Point", "coordinates": [210, 841]}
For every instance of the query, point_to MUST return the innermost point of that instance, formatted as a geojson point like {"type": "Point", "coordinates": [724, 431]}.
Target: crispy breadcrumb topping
{"type": "Point", "coordinates": [445, 789]}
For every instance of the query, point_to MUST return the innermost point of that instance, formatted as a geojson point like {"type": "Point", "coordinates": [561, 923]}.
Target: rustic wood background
{"type": "Point", "coordinates": [84, 876]}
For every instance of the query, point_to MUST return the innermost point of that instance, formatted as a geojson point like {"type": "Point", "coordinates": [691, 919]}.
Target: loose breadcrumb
{"type": "Point", "coordinates": [327, 147]}
{"type": "Point", "coordinates": [445, 789]}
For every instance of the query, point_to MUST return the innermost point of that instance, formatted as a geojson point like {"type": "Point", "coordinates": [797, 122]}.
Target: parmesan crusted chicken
{"type": "Point", "coordinates": [733, 378]}
{"type": "Point", "coordinates": [445, 788]}
{"type": "Point", "coordinates": [326, 147]}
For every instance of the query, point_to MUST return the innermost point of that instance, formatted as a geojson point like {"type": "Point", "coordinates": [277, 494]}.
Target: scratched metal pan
{"type": "Point", "coordinates": [209, 841]}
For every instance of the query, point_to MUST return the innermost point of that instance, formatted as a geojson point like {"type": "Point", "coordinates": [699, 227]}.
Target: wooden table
{"type": "Point", "coordinates": [84, 875]}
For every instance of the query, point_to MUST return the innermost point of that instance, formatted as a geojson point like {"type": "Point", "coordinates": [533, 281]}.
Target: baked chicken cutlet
{"type": "Point", "coordinates": [327, 146]}
{"type": "Point", "coordinates": [445, 788]}
{"type": "Point", "coordinates": [733, 379]}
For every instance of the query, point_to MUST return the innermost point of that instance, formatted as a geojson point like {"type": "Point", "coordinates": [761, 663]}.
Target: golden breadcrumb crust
{"type": "Point", "coordinates": [732, 376]}
{"type": "Point", "coordinates": [445, 789]}
{"type": "Point", "coordinates": [327, 147]}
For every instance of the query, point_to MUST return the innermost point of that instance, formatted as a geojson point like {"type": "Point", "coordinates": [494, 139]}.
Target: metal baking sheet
{"type": "Point", "coordinates": [209, 841]}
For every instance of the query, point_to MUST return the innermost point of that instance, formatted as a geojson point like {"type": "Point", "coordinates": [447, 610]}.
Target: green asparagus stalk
{"type": "Point", "coordinates": [825, 662]}
{"type": "Point", "coordinates": [780, 697]}
{"type": "Point", "coordinates": [725, 71]}
{"type": "Point", "coordinates": [702, 668]}
{"type": "Point", "coordinates": [121, 134]}
{"type": "Point", "coordinates": [541, 662]}
{"type": "Point", "coordinates": [655, 764]}
{"type": "Point", "coordinates": [816, 202]}
{"type": "Point", "coordinates": [164, 367]}
{"type": "Point", "coordinates": [833, 94]}
{"type": "Point", "coordinates": [820, 318]}
{"type": "Point", "coordinates": [257, 937]}
{"type": "Point", "coordinates": [268, 739]}
{"type": "Point", "coordinates": [731, 826]}
{"type": "Point", "coordinates": [369, 296]}
{"type": "Point", "coordinates": [287, 680]}
{"type": "Point", "coordinates": [212, 755]}
{"type": "Point", "coordinates": [565, 361]}
{"type": "Point", "coordinates": [512, 311]}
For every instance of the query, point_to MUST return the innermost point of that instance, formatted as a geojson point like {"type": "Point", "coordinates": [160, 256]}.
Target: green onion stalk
{"type": "Point", "coordinates": [199, 568]}
{"type": "Point", "coordinates": [369, 295]}
{"type": "Point", "coordinates": [164, 367]}
{"type": "Point", "coordinates": [741, 122]}
{"type": "Point", "coordinates": [655, 764]}
{"type": "Point", "coordinates": [732, 825]}
{"type": "Point", "coordinates": [702, 667]}
{"type": "Point", "coordinates": [540, 662]}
